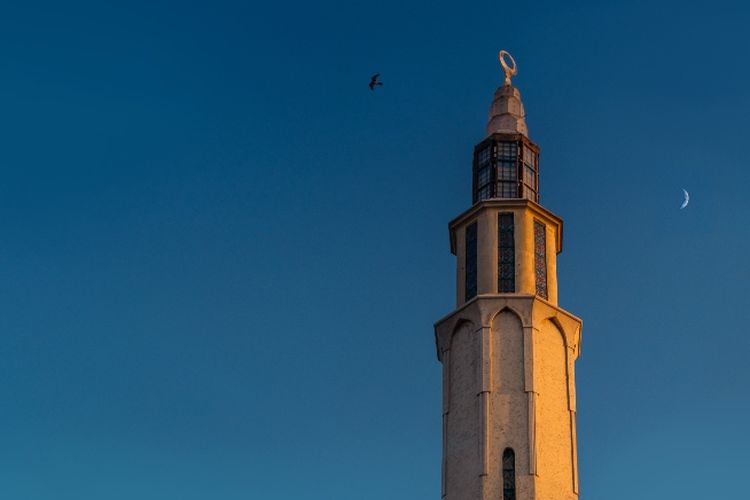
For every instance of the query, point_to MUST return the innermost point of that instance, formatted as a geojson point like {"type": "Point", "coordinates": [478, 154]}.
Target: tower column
{"type": "Point", "coordinates": [508, 350]}
{"type": "Point", "coordinates": [525, 247]}
{"type": "Point", "coordinates": [528, 357]}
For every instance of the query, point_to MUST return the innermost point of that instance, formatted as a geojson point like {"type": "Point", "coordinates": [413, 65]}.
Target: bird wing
{"type": "Point", "coordinates": [374, 77]}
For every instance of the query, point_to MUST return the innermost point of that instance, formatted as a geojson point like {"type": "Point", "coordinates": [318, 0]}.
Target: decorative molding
{"type": "Point", "coordinates": [538, 210]}
{"type": "Point", "coordinates": [532, 433]}
{"type": "Point", "coordinates": [574, 450]}
{"type": "Point", "coordinates": [485, 384]}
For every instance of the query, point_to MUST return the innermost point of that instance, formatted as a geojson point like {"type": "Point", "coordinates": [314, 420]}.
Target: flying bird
{"type": "Point", "coordinates": [686, 200]}
{"type": "Point", "coordinates": [374, 82]}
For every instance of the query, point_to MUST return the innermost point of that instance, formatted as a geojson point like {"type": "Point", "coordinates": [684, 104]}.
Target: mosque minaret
{"type": "Point", "coordinates": [508, 350]}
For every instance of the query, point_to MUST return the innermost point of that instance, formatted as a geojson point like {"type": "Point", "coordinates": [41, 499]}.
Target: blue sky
{"type": "Point", "coordinates": [222, 255]}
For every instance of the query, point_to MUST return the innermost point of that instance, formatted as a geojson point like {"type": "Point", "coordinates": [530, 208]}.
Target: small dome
{"type": "Point", "coordinates": [507, 115]}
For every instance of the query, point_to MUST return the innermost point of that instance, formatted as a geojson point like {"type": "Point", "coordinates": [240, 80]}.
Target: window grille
{"type": "Point", "coordinates": [540, 258]}
{"type": "Point", "coordinates": [506, 254]}
{"type": "Point", "coordinates": [505, 166]}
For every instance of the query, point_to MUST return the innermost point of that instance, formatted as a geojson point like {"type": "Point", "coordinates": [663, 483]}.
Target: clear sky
{"type": "Point", "coordinates": [222, 255]}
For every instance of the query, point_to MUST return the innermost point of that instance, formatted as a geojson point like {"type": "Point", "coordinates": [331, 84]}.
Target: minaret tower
{"type": "Point", "coordinates": [508, 350]}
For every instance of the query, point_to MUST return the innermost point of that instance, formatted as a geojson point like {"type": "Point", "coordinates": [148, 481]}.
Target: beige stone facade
{"type": "Point", "coordinates": [508, 362]}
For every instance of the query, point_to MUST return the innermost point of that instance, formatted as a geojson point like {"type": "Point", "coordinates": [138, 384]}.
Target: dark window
{"type": "Point", "coordinates": [483, 176]}
{"type": "Point", "coordinates": [506, 254]}
{"type": "Point", "coordinates": [540, 258]}
{"type": "Point", "coordinates": [529, 176]}
{"type": "Point", "coordinates": [509, 474]}
{"type": "Point", "coordinates": [507, 171]}
{"type": "Point", "coordinates": [505, 167]}
{"type": "Point", "coordinates": [530, 162]}
{"type": "Point", "coordinates": [484, 157]}
{"type": "Point", "coordinates": [507, 189]}
{"type": "Point", "coordinates": [471, 261]}
{"type": "Point", "coordinates": [484, 193]}
{"type": "Point", "coordinates": [507, 150]}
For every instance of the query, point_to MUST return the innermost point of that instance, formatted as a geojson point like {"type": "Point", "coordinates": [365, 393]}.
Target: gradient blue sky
{"type": "Point", "coordinates": [222, 255]}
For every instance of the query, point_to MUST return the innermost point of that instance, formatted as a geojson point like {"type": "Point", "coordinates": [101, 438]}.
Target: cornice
{"type": "Point", "coordinates": [504, 203]}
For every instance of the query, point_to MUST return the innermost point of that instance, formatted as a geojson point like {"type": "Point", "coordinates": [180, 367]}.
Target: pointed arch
{"type": "Point", "coordinates": [559, 327]}
{"type": "Point", "coordinates": [509, 309]}
{"type": "Point", "coordinates": [462, 323]}
{"type": "Point", "coordinates": [508, 344]}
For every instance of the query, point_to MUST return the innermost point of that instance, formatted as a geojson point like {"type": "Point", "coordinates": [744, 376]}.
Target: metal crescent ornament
{"type": "Point", "coordinates": [509, 71]}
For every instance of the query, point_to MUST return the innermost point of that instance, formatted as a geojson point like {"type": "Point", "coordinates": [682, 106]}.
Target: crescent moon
{"type": "Point", "coordinates": [686, 201]}
{"type": "Point", "coordinates": [507, 69]}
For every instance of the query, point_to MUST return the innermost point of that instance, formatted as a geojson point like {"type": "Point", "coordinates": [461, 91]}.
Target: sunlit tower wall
{"type": "Point", "coordinates": [508, 350]}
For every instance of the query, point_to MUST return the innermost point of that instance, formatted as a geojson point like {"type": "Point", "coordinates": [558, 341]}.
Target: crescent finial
{"type": "Point", "coordinates": [508, 69]}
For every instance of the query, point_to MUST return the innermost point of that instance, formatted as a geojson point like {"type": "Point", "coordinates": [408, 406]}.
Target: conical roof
{"type": "Point", "coordinates": [507, 115]}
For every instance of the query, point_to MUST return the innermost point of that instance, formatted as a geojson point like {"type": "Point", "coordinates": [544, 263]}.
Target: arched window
{"type": "Point", "coordinates": [509, 474]}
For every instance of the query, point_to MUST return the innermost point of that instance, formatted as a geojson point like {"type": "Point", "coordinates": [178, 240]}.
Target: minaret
{"type": "Point", "coordinates": [508, 350]}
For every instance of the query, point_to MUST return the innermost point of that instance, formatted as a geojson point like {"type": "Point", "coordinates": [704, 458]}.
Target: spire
{"type": "Point", "coordinates": [506, 162]}
{"type": "Point", "coordinates": [507, 115]}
